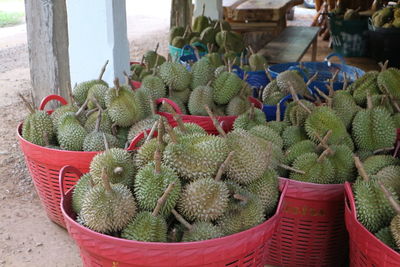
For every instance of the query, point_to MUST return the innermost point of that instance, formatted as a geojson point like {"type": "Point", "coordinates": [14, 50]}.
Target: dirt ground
{"type": "Point", "coordinates": [27, 236]}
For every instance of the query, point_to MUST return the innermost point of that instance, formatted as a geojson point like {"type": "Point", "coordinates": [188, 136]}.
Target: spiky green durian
{"type": "Point", "coordinates": [215, 60]}
{"type": "Point", "coordinates": [141, 126]}
{"type": "Point", "coordinates": [189, 129]}
{"type": "Point", "coordinates": [150, 184]}
{"type": "Point", "coordinates": [366, 84]}
{"type": "Point", "coordinates": [199, 98]}
{"type": "Point", "coordinates": [80, 92]}
{"type": "Point", "coordinates": [323, 119]}
{"type": "Point", "coordinates": [38, 127]}
{"type": "Point", "coordinates": [122, 136]}
{"type": "Point", "coordinates": [269, 90]}
{"type": "Point", "coordinates": [207, 36]}
{"type": "Point", "coordinates": [204, 200]}
{"type": "Point", "coordinates": [345, 107]}
{"type": "Point", "coordinates": [291, 78]}
{"type": "Point", "coordinates": [202, 231]}
{"type": "Point", "coordinates": [251, 118]}
{"type": "Point", "coordinates": [385, 235]}
{"type": "Point", "coordinates": [183, 95]}
{"type": "Point", "coordinates": [202, 73]}
{"type": "Point", "coordinates": [396, 120]}
{"type": "Point", "coordinates": [94, 141]}
{"type": "Point", "coordinates": [388, 81]}
{"type": "Point", "coordinates": [108, 208]}
{"type": "Point", "coordinates": [237, 106]}
{"type": "Point", "coordinates": [226, 86]}
{"type": "Point", "coordinates": [178, 102]}
{"type": "Point", "coordinates": [97, 93]}
{"type": "Point", "coordinates": [175, 76]}
{"type": "Point", "coordinates": [395, 229]}
{"type": "Point", "coordinates": [292, 135]}
{"type": "Point", "coordinates": [342, 160]}
{"type": "Point", "coordinates": [122, 106]}
{"type": "Point", "coordinates": [151, 59]}
{"type": "Point", "coordinates": [267, 189]}
{"type": "Point", "coordinates": [317, 169]}
{"type": "Point", "coordinates": [145, 100]}
{"type": "Point", "coordinates": [118, 166]}
{"type": "Point", "coordinates": [389, 176]}
{"type": "Point", "coordinates": [70, 133]}
{"type": "Point", "coordinates": [83, 186]}
{"type": "Point", "coordinates": [297, 114]}
{"type": "Point", "coordinates": [175, 31]}
{"type": "Point", "coordinates": [268, 134]}
{"type": "Point", "coordinates": [145, 154]}
{"type": "Point", "coordinates": [59, 111]}
{"type": "Point", "coordinates": [257, 62]}
{"type": "Point", "coordinates": [299, 148]}
{"type": "Point", "coordinates": [200, 22]}
{"type": "Point", "coordinates": [105, 122]}
{"type": "Point", "coordinates": [373, 129]}
{"type": "Point", "coordinates": [278, 126]}
{"type": "Point", "coordinates": [375, 163]}
{"type": "Point", "coordinates": [146, 227]}
{"type": "Point", "coordinates": [155, 86]}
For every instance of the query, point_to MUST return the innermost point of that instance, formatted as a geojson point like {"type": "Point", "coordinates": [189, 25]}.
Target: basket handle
{"type": "Point", "coordinates": [283, 187]}
{"type": "Point", "coordinates": [66, 169]}
{"type": "Point", "coordinates": [139, 137]}
{"type": "Point", "coordinates": [172, 103]}
{"type": "Point", "coordinates": [257, 103]}
{"type": "Point", "coordinates": [334, 55]}
{"type": "Point", "coordinates": [349, 199]}
{"type": "Point", "coordinates": [48, 98]}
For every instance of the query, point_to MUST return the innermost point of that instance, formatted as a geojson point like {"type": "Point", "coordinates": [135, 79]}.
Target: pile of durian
{"type": "Point", "coordinates": [388, 17]}
{"type": "Point", "coordinates": [184, 185]}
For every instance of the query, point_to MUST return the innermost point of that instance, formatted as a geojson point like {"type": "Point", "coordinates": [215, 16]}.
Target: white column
{"type": "Point", "coordinates": [97, 32]}
{"type": "Point", "coordinates": [213, 8]}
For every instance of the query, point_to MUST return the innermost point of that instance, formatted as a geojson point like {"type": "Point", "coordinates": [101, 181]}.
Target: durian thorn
{"type": "Point", "coordinates": [117, 87]}
{"type": "Point", "coordinates": [26, 103]}
{"type": "Point", "coordinates": [266, 67]}
{"type": "Point", "coordinates": [286, 167]}
{"type": "Point", "coordinates": [223, 166]}
{"type": "Point", "coordinates": [106, 181]}
{"type": "Point", "coordinates": [360, 168]}
{"type": "Point", "coordinates": [160, 132]}
{"type": "Point", "coordinates": [369, 101]}
{"type": "Point", "coordinates": [171, 133]}
{"type": "Point", "coordinates": [383, 150]}
{"type": "Point", "coordinates": [103, 69]}
{"type": "Point", "coordinates": [324, 154]}
{"type": "Point", "coordinates": [176, 116]}
{"type": "Point", "coordinates": [82, 108]}
{"type": "Point", "coordinates": [114, 128]}
{"type": "Point", "coordinates": [182, 220]}
{"type": "Point", "coordinates": [128, 79]}
{"type": "Point", "coordinates": [313, 78]}
{"type": "Point", "coordinates": [251, 49]}
{"type": "Point", "coordinates": [389, 196]}
{"type": "Point", "coordinates": [106, 146]}
{"type": "Point", "coordinates": [324, 96]}
{"type": "Point", "coordinates": [118, 170]}
{"type": "Point", "coordinates": [240, 197]}
{"type": "Point", "coordinates": [204, 9]}
{"type": "Point", "coordinates": [215, 121]}
{"type": "Point", "coordinates": [98, 120]}
{"type": "Point", "coordinates": [92, 184]}
{"type": "Point", "coordinates": [157, 46]}
{"type": "Point", "coordinates": [46, 139]}
{"type": "Point", "coordinates": [157, 161]}
{"type": "Point", "coordinates": [278, 113]}
{"type": "Point", "coordinates": [161, 201]}
{"type": "Point", "coordinates": [345, 82]}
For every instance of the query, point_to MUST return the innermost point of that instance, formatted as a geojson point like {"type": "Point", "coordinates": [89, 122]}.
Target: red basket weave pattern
{"type": "Point", "coordinates": [204, 121]}
{"type": "Point", "coordinates": [311, 231]}
{"type": "Point", "coordinates": [242, 249]}
{"type": "Point", "coordinates": [366, 250]}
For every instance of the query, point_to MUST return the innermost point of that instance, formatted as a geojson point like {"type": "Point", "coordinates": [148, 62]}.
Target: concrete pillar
{"type": "Point", "coordinates": [97, 32]}
{"type": "Point", "coordinates": [213, 8]}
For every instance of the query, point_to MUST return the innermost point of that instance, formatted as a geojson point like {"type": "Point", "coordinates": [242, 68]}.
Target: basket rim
{"type": "Point", "coordinates": [313, 184]}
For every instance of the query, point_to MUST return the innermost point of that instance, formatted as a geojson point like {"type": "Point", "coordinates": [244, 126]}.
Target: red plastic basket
{"type": "Point", "coordinates": [366, 250]}
{"type": "Point", "coordinates": [204, 121]}
{"type": "Point", "coordinates": [45, 163]}
{"type": "Point", "coordinates": [247, 248]}
{"type": "Point", "coordinates": [311, 231]}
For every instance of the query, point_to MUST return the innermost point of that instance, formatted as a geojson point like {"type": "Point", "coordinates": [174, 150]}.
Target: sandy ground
{"type": "Point", "coordinates": [27, 237]}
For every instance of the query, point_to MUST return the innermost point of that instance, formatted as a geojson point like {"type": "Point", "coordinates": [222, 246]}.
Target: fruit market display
{"type": "Point", "coordinates": [387, 17]}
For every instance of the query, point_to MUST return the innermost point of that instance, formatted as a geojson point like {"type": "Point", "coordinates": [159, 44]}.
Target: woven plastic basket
{"type": "Point", "coordinates": [366, 250]}
{"type": "Point", "coordinates": [247, 248]}
{"type": "Point", "coordinates": [204, 121]}
{"type": "Point", "coordinates": [187, 50]}
{"type": "Point", "coordinates": [325, 71]}
{"type": "Point", "coordinates": [311, 231]}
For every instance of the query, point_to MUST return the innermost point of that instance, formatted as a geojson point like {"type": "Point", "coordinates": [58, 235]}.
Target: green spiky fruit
{"type": "Point", "coordinates": [145, 154]}
{"type": "Point", "coordinates": [389, 176]}
{"type": "Point", "coordinates": [226, 86]}
{"type": "Point", "coordinates": [317, 170]}
{"type": "Point", "coordinates": [202, 72]}
{"type": "Point", "coordinates": [70, 134]}
{"type": "Point", "coordinates": [257, 62]}
{"type": "Point", "coordinates": [179, 42]}
{"type": "Point", "coordinates": [198, 160]}
{"type": "Point", "coordinates": [238, 105]}
{"type": "Point", "coordinates": [207, 36]}
{"type": "Point", "coordinates": [122, 106]}
{"type": "Point", "coordinates": [267, 189]}
{"type": "Point", "coordinates": [215, 60]}
{"type": "Point", "coordinates": [200, 23]}
{"type": "Point", "coordinates": [323, 119]}
{"type": "Point", "coordinates": [291, 77]}
{"type": "Point", "coordinates": [178, 102]}
{"type": "Point", "coordinates": [108, 210]}
{"type": "Point", "coordinates": [118, 166]}
{"type": "Point", "coordinates": [342, 161]}
{"type": "Point", "coordinates": [269, 90]}
{"type": "Point", "coordinates": [151, 59]}
{"type": "Point", "coordinates": [292, 135]}
{"type": "Point", "coordinates": [385, 235]}
{"type": "Point", "coordinates": [382, 101]}
{"type": "Point", "coordinates": [140, 127]}
{"type": "Point", "coordinates": [396, 120]}
{"type": "Point", "coordinates": [80, 92]}
{"type": "Point", "coordinates": [296, 150]}
{"type": "Point", "coordinates": [395, 229]}
{"type": "Point", "coordinates": [94, 141]}
{"type": "Point", "coordinates": [366, 84]}
{"type": "Point", "coordinates": [190, 129]}
{"type": "Point", "coordinates": [388, 81]}
{"type": "Point", "coordinates": [38, 127]}
{"type": "Point", "coordinates": [375, 163]}
{"type": "Point", "coordinates": [345, 107]}
{"type": "Point", "coordinates": [58, 112]}
{"type": "Point", "coordinates": [105, 122]}
{"type": "Point", "coordinates": [204, 200]}
{"type": "Point", "coordinates": [122, 136]}
{"type": "Point", "coordinates": [268, 134]}
{"type": "Point", "coordinates": [201, 96]}
{"type": "Point", "coordinates": [145, 100]}
{"type": "Point", "coordinates": [183, 95]}
{"type": "Point", "coordinates": [97, 93]}
{"type": "Point", "coordinates": [174, 32]}
{"type": "Point", "coordinates": [150, 186]}
{"type": "Point", "coordinates": [146, 227]}
{"type": "Point", "coordinates": [202, 231]}
{"type": "Point", "coordinates": [364, 154]}
{"type": "Point", "coordinates": [175, 76]}
{"type": "Point", "coordinates": [373, 129]}
{"type": "Point", "coordinates": [296, 114]}
{"type": "Point", "coordinates": [249, 215]}
{"type": "Point", "coordinates": [251, 118]}
{"type": "Point", "coordinates": [83, 186]}
{"type": "Point", "coordinates": [278, 126]}
{"type": "Point", "coordinates": [155, 86]}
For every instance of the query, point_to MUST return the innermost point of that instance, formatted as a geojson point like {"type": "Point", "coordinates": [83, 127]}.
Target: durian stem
{"type": "Point", "coordinates": [152, 106]}
{"type": "Point", "coordinates": [323, 142]}
{"type": "Point", "coordinates": [296, 98]}
{"type": "Point", "coordinates": [98, 120]}
{"type": "Point", "coordinates": [114, 128]}
{"type": "Point", "coordinates": [186, 32]}
{"type": "Point", "coordinates": [90, 112]}
{"type": "Point", "coordinates": [278, 113]}
{"type": "Point", "coordinates": [313, 78]}
{"type": "Point", "coordinates": [176, 116]}
{"type": "Point", "coordinates": [103, 69]}
{"type": "Point", "coordinates": [215, 122]}
{"type": "Point", "coordinates": [106, 146]}
{"type": "Point", "coordinates": [118, 170]}
{"type": "Point", "coordinates": [145, 135]}
{"type": "Point", "coordinates": [182, 220]}
{"type": "Point", "coordinates": [171, 133]}
{"type": "Point", "coordinates": [245, 76]}
{"type": "Point", "coordinates": [106, 181]}
{"type": "Point", "coordinates": [389, 196]}
{"type": "Point", "coordinates": [157, 46]}
{"type": "Point", "coordinates": [157, 161]}
{"type": "Point", "coordinates": [324, 155]}
{"type": "Point", "coordinates": [267, 73]}
{"type": "Point", "coordinates": [142, 60]}
{"type": "Point", "coordinates": [286, 167]}
{"type": "Point", "coordinates": [82, 108]}
{"type": "Point", "coordinates": [241, 60]}
{"type": "Point", "coordinates": [369, 101]}
{"type": "Point", "coordinates": [94, 100]}
{"type": "Point", "coordinates": [240, 197]}
{"type": "Point", "coordinates": [333, 79]}
{"type": "Point", "coordinates": [324, 96]}
{"type": "Point", "coordinates": [395, 104]}
{"type": "Point", "coordinates": [220, 26]}
{"type": "Point", "coordinates": [382, 150]}
{"type": "Point", "coordinates": [360, 168]}
{"type": "Point", "coordinates": [26, 103]}
{"type": "Point", "coordinates": [251, 50]}
{"type": "Point", "coordinates": [251, 113]}
{"type": "Point", "coordinates": [162, 199]}
{"type": "Point", "coordinates": [204, 9]}
{"type": "Point", "coordinates": [117, 86]}
{"type": "Point", "coordinates": [223, 166]}
{"type": "Point", "coordinates": [383, 65]}
{"type": "Point", "coordinates": [160, 134]}
{"type": "Point", "coordinates": [70, 94]}
{"type": "Point", "coordinates": [128, 79]}
{"type": "Point", "coordinates": [151, 133]}
{"type": "Point", "coordinates": [345, 82]}
{"type": "Point", "coordinates": [32, 100]}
